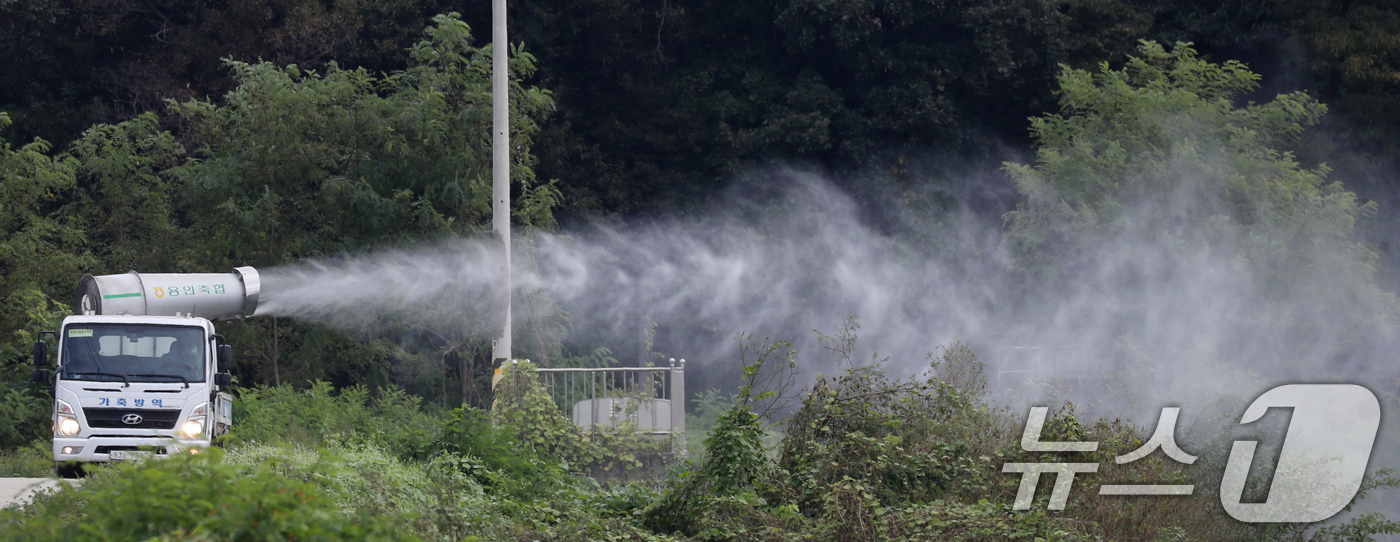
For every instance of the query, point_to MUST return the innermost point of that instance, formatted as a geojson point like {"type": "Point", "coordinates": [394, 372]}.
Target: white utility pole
{"type": "Point", "coordinates": [500, 166]}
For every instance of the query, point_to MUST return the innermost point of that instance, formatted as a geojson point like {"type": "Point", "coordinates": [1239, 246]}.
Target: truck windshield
{"type": "Point", "coordinates": [132, 353]}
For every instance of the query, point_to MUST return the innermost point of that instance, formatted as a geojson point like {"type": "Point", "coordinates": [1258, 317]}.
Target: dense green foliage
{"type": "Point", "coordinates": [317, 464]}
{"type": "Point", "coordinates": [368, 130]}
{"type": "Point", "coordinates": [660, 100]}
{"type": "Point", "coordinates": [157, 499]}
{"type": "Point", "coordinates": [154, 136]}
{"type": "Point", "coordinates": [1160, 175]}
{"type": "Point", "coordinates": [290, 163]}
{"type": "Point", "coordinates": [524, 405]}
{"type": "Point", "coordinates": [1161, 144]}
{"type": "Point", "coordinates": [918, 457]}
{"type": "Point", "coordinates": [320, 415]}
{"type": "Point", "coordinates": [872, 457]}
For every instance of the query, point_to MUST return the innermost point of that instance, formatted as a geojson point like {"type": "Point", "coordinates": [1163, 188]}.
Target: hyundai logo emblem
{"type": "Point", "coordinates": [131, 419]}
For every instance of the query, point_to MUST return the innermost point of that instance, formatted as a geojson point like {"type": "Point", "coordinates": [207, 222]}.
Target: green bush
{"type": "Point", "coordinates": [528, 413]}
{"type": "Point", "coordinates": [25, 410]}
{"type": "Point", "coordinates": [625, 501]}
{"type": "Point", "coordinates": [193, 497]}
{"type": "Point", "coordinates": [900, 443]}
{"type": "Point", "coordinates": [33, 461]}
{"type": "Point", "coordinates": [871, 457]}
{"type": "Point", "coordinates": [953, 521]}
{"type": "Point", "coordinates": [700, 418]}
{"type": "Point", "coordinates": [431, 498]}
{"type": "Point", "coordinates": [865, 457]}
{"type": "Point", "coordinates": [723, 496]}
{"type": "Point", "coordinates": [318, 415]}
{"type": "Point", "coordinates": [444, 499]}
{"type": "Point", "coordinates": [493, 458]}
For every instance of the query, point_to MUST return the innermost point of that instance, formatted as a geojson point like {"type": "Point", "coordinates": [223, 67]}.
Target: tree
{"type": "Point", "coordinates": [41, 250]}
{"type": "Point", "coordinates": [130, 186]}
{"type": "Point", "coordinates": [1355, 58]}
{"type": "Point", "coordinates": [291, 164]}
{"type": "Point", "coordinates": [662, 101]}
{"type": "Point", "coordinates": [291, 151]}
{"type": "Point", "coordinates": [43, 247]}
{"type": "Point", "coordinates": [296, 164]}
{"type": "Point", "coordinates": [1161, 139]}
{"type": "Point", "coordinates": [1152, 183]}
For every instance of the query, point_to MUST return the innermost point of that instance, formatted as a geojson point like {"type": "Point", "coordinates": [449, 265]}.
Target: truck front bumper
{"type": "Point", "coordinates": [98, 449]}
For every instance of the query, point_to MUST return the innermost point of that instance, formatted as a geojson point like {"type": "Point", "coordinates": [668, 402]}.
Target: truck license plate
{"type": "Point", "coordinates": [127, 455]}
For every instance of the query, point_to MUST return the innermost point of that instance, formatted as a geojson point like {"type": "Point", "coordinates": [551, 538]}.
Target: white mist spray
{"type": "Point", "coordinates": [1155, 316]}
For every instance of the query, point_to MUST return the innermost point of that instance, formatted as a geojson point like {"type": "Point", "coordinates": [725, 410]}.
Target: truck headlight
{"type": "Point", "coordinates": [66, 422]}
{"type": "Point", "coordinates": [67, 426]}
{"type": "Point", "coordinates": [194, 426]}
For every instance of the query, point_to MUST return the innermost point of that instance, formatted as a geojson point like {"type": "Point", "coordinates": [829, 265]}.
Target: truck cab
{"type": "Point", "coordinates": [133, 385]}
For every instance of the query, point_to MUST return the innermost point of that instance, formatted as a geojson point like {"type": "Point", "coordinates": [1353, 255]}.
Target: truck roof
{"type": "Point", "coordinates": [133, 319]}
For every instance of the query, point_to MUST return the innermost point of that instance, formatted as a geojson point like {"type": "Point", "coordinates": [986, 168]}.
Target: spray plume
{"type": "Point", "coordinates": [1156, 314]}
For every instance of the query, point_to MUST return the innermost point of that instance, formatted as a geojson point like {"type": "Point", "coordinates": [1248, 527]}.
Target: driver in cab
{"type": "Point", "coordinates": [188, 357]}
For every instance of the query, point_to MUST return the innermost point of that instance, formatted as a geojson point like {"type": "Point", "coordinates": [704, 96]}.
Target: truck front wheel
{"type": "Point", "coordinates": [70, 469]}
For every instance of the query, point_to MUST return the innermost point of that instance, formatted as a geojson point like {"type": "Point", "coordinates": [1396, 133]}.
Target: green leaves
{"type": "Point", "coordinates": [723, 495]}
{"type": "Point", "coordinates": [42, 249]}
{"type": "Point", "coordinates": [132, 190]}
{"type": "Point", "coordinates": [1160, 144]}
{"type": "Point", "coordinates": [310, 163]}
{"type": "Point", "coordinates": [527, 412]}
{"type": "Point", "coordinates": [737, 458]}
{"type": "Point", "coordinates": [199, 497]}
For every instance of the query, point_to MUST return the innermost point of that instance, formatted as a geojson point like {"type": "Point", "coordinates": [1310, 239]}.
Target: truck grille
{"type": "Point", "coordinates": [111, 418]}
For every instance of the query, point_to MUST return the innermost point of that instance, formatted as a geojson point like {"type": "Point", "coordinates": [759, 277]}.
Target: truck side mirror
{"type": "Point", "coordinates": [41, 376]}
{"type": "Point", "coordinates": [41, 353]}
{"type": "Point", "coordinates": [225, 358]}
{"type": "Point", "coordinates": [223, 379]}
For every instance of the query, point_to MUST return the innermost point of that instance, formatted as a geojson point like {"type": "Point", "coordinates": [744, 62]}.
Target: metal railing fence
{"type": "Point", "coordinates": [653, 398]}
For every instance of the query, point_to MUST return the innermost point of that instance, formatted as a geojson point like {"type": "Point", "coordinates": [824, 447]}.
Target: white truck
{"type": "Point", "coordinates": [141, 371]}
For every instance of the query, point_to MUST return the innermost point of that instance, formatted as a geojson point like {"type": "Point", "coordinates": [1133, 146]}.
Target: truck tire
{"type": "Point", "coordinates": [71, 469]}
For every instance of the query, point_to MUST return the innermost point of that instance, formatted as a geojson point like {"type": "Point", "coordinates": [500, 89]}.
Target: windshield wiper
{"type": "Point", "coordinates": [126, 383]}
{"type": "Point", "coordinates": [182, 379]}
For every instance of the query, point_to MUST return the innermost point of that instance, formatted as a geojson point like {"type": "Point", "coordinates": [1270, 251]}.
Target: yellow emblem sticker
{"type": "Point", "coordinates": [80, 333]}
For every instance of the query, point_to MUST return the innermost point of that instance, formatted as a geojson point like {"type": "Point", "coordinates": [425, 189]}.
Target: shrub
{"type": "Point", "coordinates": [902, 441]}
{"type": "Point", "coordinates": [192, 497]}
{"type": "Point", "coordinates": [700, 419]}
{"type": "Point", "coordinates": [723, 497]}
{"type": "Point", "coordinates": [433, 499]}
{"type": "Point", "coordinates": [33, 461]}
{"type": "Point", "coordinates": [25, 410]}
{"type": "Point", "coordinates": [493, 458]}
{"type": "Point", "coordinates": [526, 411]}
{"type": "Point", "coordinates": [953, 521]}
{"type": "Point", "coordinates": [319, 414]}
{"type": "Point", "coordinates": [870, 457]}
